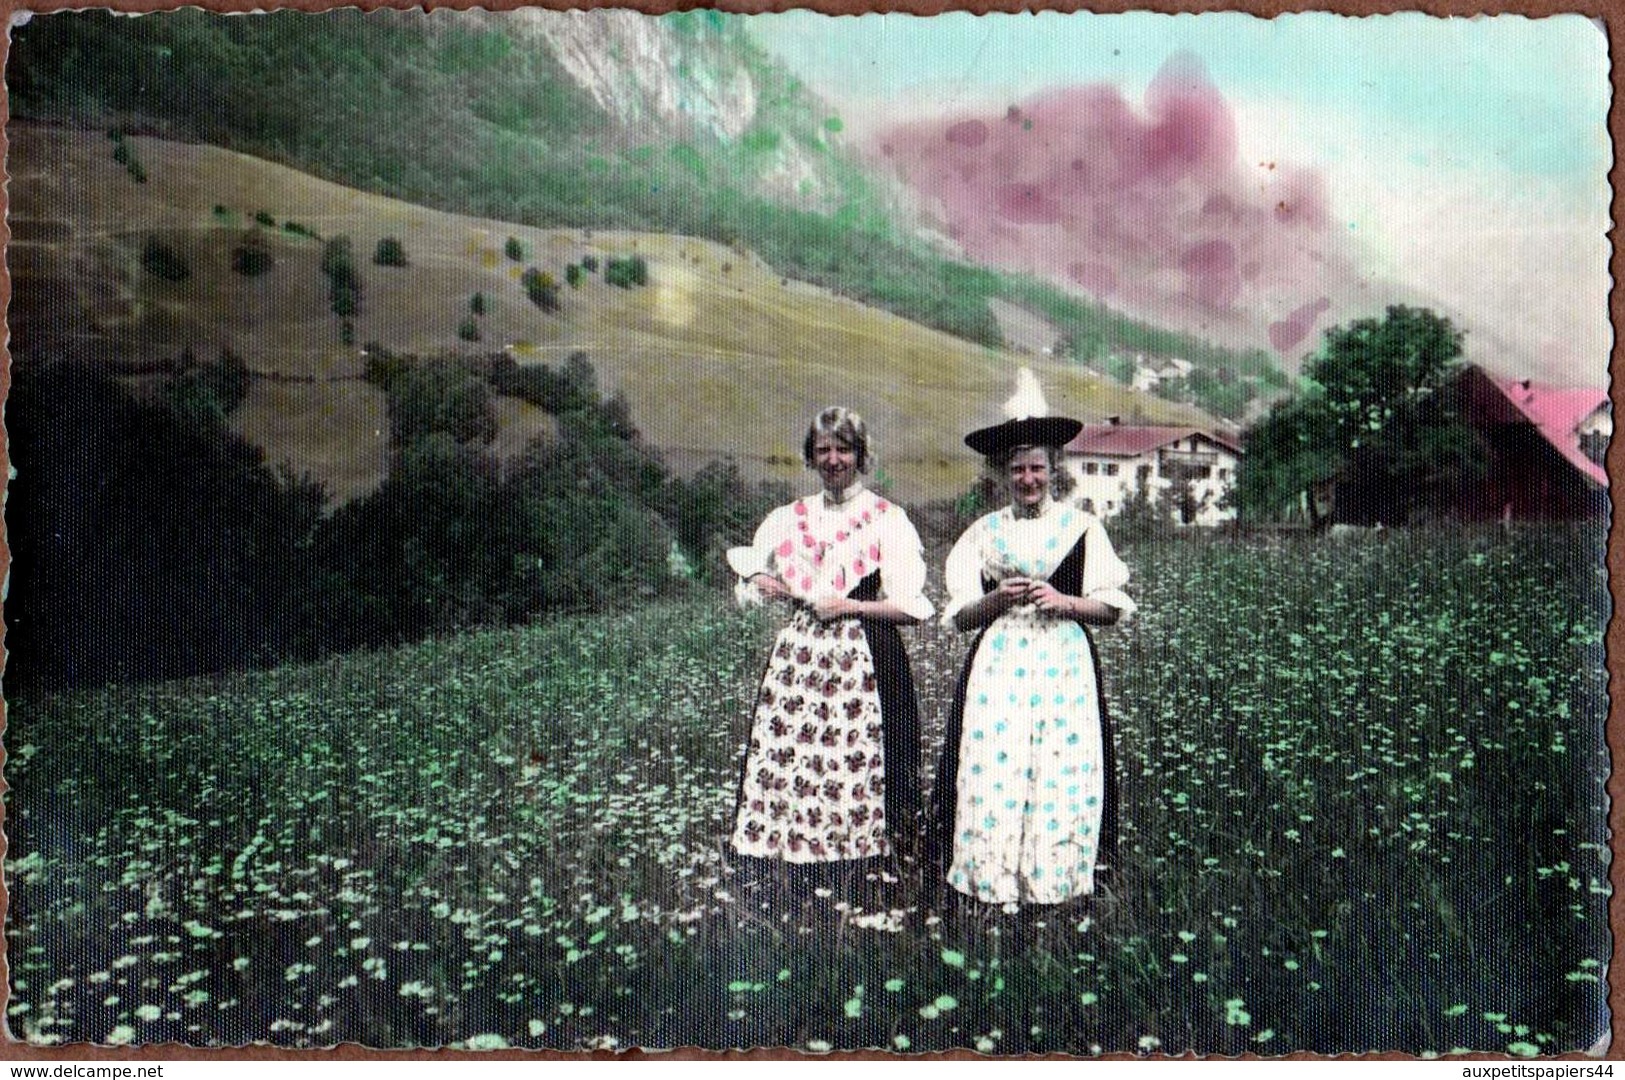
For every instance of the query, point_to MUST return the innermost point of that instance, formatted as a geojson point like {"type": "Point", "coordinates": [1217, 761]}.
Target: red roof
{"type": "Point", "coordinates": [1132, 440]}
{"type": "Point", "coordinates": [1556, 412]}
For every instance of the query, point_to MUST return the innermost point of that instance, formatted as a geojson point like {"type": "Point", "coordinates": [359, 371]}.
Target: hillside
{"type": "Point", "coordinates": [606, 120]}
{"type": "Point", "coordinates": [717, 355]}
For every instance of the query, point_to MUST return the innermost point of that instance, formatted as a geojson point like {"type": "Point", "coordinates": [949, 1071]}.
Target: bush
{"type": "Point", "coordinates": [251, 258]}
{"type": "Point", "coordinates": [589, 263]}
{"type": "Point", "coordinates": [476, 304]}
{"type": "Point", "coordinates": [572, 276]}
{"type": "Point", "coordinates": [626, 272]}
{"type": "Point", "coordinates": [264, 218]}
{"type": "Point", "coordinates": [468, 329]}
{"type": "Point", "coordinates": [389, 252]}
{"type": "Point", "coordinates": [713, 509]}
{"type": "Point", "coordinates": [452, 539]}
{"type": "Point", "coordinates": [514, 249]}
{"type": "Point", "coordinates": [542, 289]}
{"type": "Point", "coordinates": [344, 284]}
{"type": "Point", "coordinates": [162, 261]}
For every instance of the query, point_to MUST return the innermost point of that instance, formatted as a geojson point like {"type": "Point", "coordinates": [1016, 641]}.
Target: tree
{"type": "Point", "coordinates": [1379, 416]}
{"type": "Point", "coordinates": [1289, 451]}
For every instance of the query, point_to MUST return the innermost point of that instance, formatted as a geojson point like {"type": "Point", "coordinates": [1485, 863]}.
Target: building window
{"type": "Point", "coordinates": [1224, 474]}
{"type": "Point", "coordinates": [1111, 468]}
{"type": "Point", "coordinates": [1091, 468]}
{"type": "Point", "coordinates": [1144, 473]}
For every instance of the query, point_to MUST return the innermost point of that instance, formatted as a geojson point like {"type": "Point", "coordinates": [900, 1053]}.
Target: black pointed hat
{"type": "Point", "coordinates": [1029, 422]}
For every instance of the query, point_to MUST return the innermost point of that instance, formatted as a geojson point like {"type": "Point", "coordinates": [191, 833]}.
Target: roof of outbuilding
{"type": "Point", "coordinates": [1556, 412]}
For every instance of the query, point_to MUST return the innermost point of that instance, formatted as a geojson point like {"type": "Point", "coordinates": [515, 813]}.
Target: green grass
{"type": "Point", "coordinates": [1363, 809]}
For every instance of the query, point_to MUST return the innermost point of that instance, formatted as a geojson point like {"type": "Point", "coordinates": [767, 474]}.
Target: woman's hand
{"type": "Point", "coordinates": [837, 607]}
{"type": "Point", "coordinates": [1051, 601]}
{"type": "Point", "coordinates": [1006, 595]}
{"type": "Point", "coordinates": [771, 587]}
{"type": "Point", "coordinates": [1013, 590]}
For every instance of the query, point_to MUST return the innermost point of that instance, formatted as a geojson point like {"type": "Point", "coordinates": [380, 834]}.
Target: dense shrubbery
{"type": "Point", "coordinates": [207, 393]}
{"type": "Point", "coordinates": [428, 398]}
{"type": "Point", "coordinates": [148, 541]}
{"type": "Point", "coordinates": [152, 542]}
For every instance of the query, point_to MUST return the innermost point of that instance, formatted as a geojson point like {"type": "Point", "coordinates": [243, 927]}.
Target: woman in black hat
{"type": "Point", "coordinates": [1025, 795]}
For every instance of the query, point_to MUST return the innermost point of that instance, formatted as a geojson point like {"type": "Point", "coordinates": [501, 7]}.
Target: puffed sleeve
{"type": "Point", "coordinates": [1104, 574]}
{"type": "Point", "coordinates": [904, 575]}
{"type": "Point", "coordinates": [757, 557]}
{"type": "Point", "coordinates": [963, 571]}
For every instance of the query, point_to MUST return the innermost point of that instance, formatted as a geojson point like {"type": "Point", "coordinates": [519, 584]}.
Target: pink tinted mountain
{"type": "Point", "coordinates": [1152, 211]}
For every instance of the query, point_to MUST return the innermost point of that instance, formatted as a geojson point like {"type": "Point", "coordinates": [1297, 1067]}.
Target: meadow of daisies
{"type": "Point", "coordinates": [1363, 809]}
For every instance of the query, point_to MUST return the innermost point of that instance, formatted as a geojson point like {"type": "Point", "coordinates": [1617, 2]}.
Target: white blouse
{"type": "Point", "coordinates": [1002, 545]}
{"type": "Point", "coordinates": [821, 549]}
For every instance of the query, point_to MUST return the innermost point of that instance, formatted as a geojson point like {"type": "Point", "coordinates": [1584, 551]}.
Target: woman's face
{"type": "Point", "coordinates": [1028, 476]}
{"type": "Point", "coordinates": [836, 462]}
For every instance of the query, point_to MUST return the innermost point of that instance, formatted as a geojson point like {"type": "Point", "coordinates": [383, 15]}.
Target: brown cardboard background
{"type": "Point", "coordinates": [1610, 14]}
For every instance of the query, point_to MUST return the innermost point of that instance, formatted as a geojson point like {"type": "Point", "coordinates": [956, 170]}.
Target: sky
{"type": "Point", "coordinates": [1464, 159]}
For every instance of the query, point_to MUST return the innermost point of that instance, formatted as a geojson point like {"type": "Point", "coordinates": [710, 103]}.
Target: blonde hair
{"type": "Point", "coordinates": [838, 423]}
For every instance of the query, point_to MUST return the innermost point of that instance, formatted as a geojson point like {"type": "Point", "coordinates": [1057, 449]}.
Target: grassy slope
{"type": "Point", "coordinates": [718, 355]}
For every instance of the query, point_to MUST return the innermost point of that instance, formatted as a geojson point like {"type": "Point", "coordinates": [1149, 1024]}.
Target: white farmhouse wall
{"type": "Point", "coordinates": [1108, 483]}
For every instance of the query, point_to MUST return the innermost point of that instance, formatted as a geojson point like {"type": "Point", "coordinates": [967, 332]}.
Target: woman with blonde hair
{"type": "Point", "coordinates": [831, 773]}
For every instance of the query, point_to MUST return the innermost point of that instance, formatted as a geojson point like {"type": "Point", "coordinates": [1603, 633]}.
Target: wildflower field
{"type": "Point", "coordinates": [1363, 809]}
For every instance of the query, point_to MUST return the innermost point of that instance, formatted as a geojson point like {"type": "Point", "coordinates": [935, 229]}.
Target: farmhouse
{"type": "Point", "coordinates": [1540, 451]}
{"type": "Point", "coordinates": [1113, 462]}
{"type": "Point", "coordinates": [1543, 449]}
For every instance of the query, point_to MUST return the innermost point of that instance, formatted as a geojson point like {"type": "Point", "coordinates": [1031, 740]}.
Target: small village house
{"type": "Point", "coordinates": [1196, 468]}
